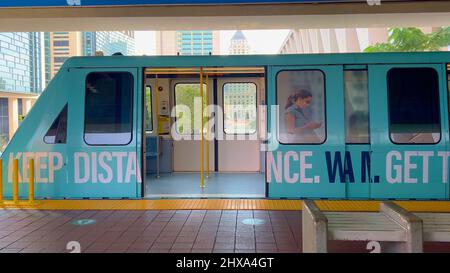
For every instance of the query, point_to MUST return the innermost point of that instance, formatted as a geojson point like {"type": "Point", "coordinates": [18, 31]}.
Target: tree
{"type": "Point", "coordinates": [185, 94]}
{"type": "Point", "coordinates": [412, 39]}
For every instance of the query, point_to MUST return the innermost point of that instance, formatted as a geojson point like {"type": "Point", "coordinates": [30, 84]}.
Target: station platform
{"type": "Point", "coordinates": [220, 204]}
{"type": "Point", "coordinates": [183, 226]}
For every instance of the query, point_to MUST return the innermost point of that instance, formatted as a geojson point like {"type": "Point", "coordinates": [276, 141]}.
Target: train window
{"type": "Point", "coordinates": [413, 97]}
{"type": "Point", "coordinates": [301, 96]}
{"type": "Point", "coordinates": [188, 109]}
{"type": "Point", "coordinates": [356, 106]}
{"type": "Point", "coordinates": [239, 108]}
{"type": "Point", "coordinates": [148, 109]}
{"type": "Point", "coordinates": [58, 131]}
{"type": "Point", "coordinates": [108, 108]}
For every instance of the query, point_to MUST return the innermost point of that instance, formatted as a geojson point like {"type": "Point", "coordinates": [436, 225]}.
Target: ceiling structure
{"type": "Point", "coordinates": [228, 16]}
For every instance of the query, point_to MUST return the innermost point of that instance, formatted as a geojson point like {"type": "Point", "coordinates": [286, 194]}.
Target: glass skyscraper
{"type": "Point", "coordinates": [195, 42]}
{"type": "Point", "coordinates": [183, 42]}
{"type": "Point", "coordinates": [63, 45]}
{"type": "Point", "coordinates": [47, 61]}
{"type": "Point", "coordinates": [20, 78]}
{"type": "Point", "coordinates": [109, 42]}
{"type": "Point", "coordinates": [20, 62]}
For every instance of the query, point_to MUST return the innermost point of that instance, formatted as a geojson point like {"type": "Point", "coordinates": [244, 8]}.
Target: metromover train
{"type": "Point", "coordinates": [338, 126]}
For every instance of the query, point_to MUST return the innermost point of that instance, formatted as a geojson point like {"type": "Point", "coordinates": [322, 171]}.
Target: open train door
{"type": "Point", "coordinates": [102, 133]}
{"type": "Point", "coordinates": [307, 163]}
{"type": "Point", "coordinates": [408, 124]}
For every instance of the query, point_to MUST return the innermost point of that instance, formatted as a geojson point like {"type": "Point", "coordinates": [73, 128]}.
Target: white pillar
{"type": "Point", "coordinates": [13, 116]}
{"type": "Point", "coordinates": [26, 106]}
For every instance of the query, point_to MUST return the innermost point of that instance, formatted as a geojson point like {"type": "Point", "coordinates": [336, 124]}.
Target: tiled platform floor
{"type": "Point", "coordinates": [161, 231]}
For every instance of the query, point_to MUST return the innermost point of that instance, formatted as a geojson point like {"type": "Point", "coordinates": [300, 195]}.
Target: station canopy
{"type": "Point", "coordinates": [113, 15]}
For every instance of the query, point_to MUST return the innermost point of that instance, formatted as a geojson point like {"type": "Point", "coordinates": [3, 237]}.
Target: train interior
{"type": "Point", "coordinates": [227, 161]}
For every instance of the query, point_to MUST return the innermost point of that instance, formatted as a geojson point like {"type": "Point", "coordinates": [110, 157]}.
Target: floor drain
{"type": "Point", "coordinates": [253, 221]}
{"type": "Point", "coordinates": [83, 222]}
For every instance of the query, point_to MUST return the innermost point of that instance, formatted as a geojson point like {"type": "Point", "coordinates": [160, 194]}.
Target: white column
{"type": "Point", "coordinates": [26, 106]}
{"type": "Point", "coordinates": [13, 116]}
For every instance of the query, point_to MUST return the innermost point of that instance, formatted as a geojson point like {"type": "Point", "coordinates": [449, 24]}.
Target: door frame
{"type": "Point", "coordinates": [172, 85]}
{"type": "Point", "coordinates": [220, 125]}
{"type": "Point", "coordinates": [381, 142]}
{"type": "Point", "coordinates": [94, 188]}
{"type": "Point", "coordinates": [318, 186]}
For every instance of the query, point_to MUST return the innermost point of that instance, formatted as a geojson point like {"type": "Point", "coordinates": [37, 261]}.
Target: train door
{"type": "Point", "coordinates": [408, 131]}
{"type": "Point", "coordinates": [103, 152]}
{"type": "Point", "coordinates": [306, 136]}
{"type": "Point", "coordinates": [239, 148]}
{"type": "Point", "coordinates": [186, 150]}
{"type": "Point", "coordinates": [357, 137]}
{"type": "Point", "coordinates": [231, 161]}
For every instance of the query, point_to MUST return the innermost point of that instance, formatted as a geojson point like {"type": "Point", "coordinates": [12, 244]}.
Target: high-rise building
{"type": "Point", "coordinates": [195, 42]}
{"type": "Point", "coordinates": [239, 107]}
{"type": "Point", "coordinates": [64, 45]}
{"type": "Point", "coordinates": [20, 78]}
{"type": "Point", "coordinates": [89, 45]}
{"type": "Point", "coordinates": [341, 40]}
{"type": "Point", "coordinates": [187, 42]}
{"type": "Point", "coordinates": [109, 42]}
{"type": "Point", "coordinates": [47, 62]}
{"type": "Point", "coordinates": [239, 44]}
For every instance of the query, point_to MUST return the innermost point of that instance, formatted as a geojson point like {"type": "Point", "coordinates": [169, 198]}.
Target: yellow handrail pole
{"type": "Point", "coordinates": [157, 123]}
{"type": "Point", "coordinates": [1, 181]}
{"type": "Point", "coordinates": [31, 181]}
{"type": "Point", "coordinates": [202, 178]}
{"type": "Point", "coordinates": [207, 130]}
{"type": "Point", "coordinates": [157, 104]}
{"type": "Point", "coordinates": [15, 180]}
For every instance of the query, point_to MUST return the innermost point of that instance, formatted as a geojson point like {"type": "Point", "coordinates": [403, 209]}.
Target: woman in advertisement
{"type": "Point", "coordinates": [299, 124]}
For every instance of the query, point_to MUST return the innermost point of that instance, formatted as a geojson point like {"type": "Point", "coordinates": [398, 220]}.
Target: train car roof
{"type": "Point", "coordinates": [258, 60]}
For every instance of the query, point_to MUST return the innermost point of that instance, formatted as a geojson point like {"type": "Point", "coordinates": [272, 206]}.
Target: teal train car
{"type": "Point", "coordinates": [336, 126]}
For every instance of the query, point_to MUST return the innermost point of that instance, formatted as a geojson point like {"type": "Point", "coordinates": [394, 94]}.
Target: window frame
{"type": "Point", "coordinates": [223, 107]}
{"type": "Point", "coordinates": [131, 108]}
{"type": "Point", "coordinates": [67, 122]}
{"type": "Point", "coordinates": [151, 108]}
{"type": "Point", "coordinates": [324, 105]}
{"type": "Point", "coordinates": [389, 111]}
{"type": "Point", "coordinates": [368, 109]}
{"type": "Point", "coordinates": [175, 106]}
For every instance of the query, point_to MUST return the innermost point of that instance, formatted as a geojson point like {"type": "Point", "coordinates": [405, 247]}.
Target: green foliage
{"type": "Point", "coordinates": [185, 94]}
{"type": "Point", "coordinates": [148, 109]}
{"type": "Point", "coordinates": [412, 39]}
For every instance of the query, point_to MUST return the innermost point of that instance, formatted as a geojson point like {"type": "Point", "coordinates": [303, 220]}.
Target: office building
{"type": "Point", "coordinates": [21, 78]}
{"type": "Point", "coordinates": [239, 44]}
{"type": "Point", "coordinates": [187, 42]}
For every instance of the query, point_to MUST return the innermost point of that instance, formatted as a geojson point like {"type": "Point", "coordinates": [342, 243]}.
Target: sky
{"type": "Point", "coordinates": [260, 41]}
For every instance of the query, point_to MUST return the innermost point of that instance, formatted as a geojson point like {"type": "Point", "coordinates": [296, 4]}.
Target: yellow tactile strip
{"type": "Point", "coordinates": [220, 204]}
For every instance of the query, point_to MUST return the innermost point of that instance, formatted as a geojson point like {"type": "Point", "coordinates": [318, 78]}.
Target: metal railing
{"type": "Point", "coordinates": [15, 182]}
